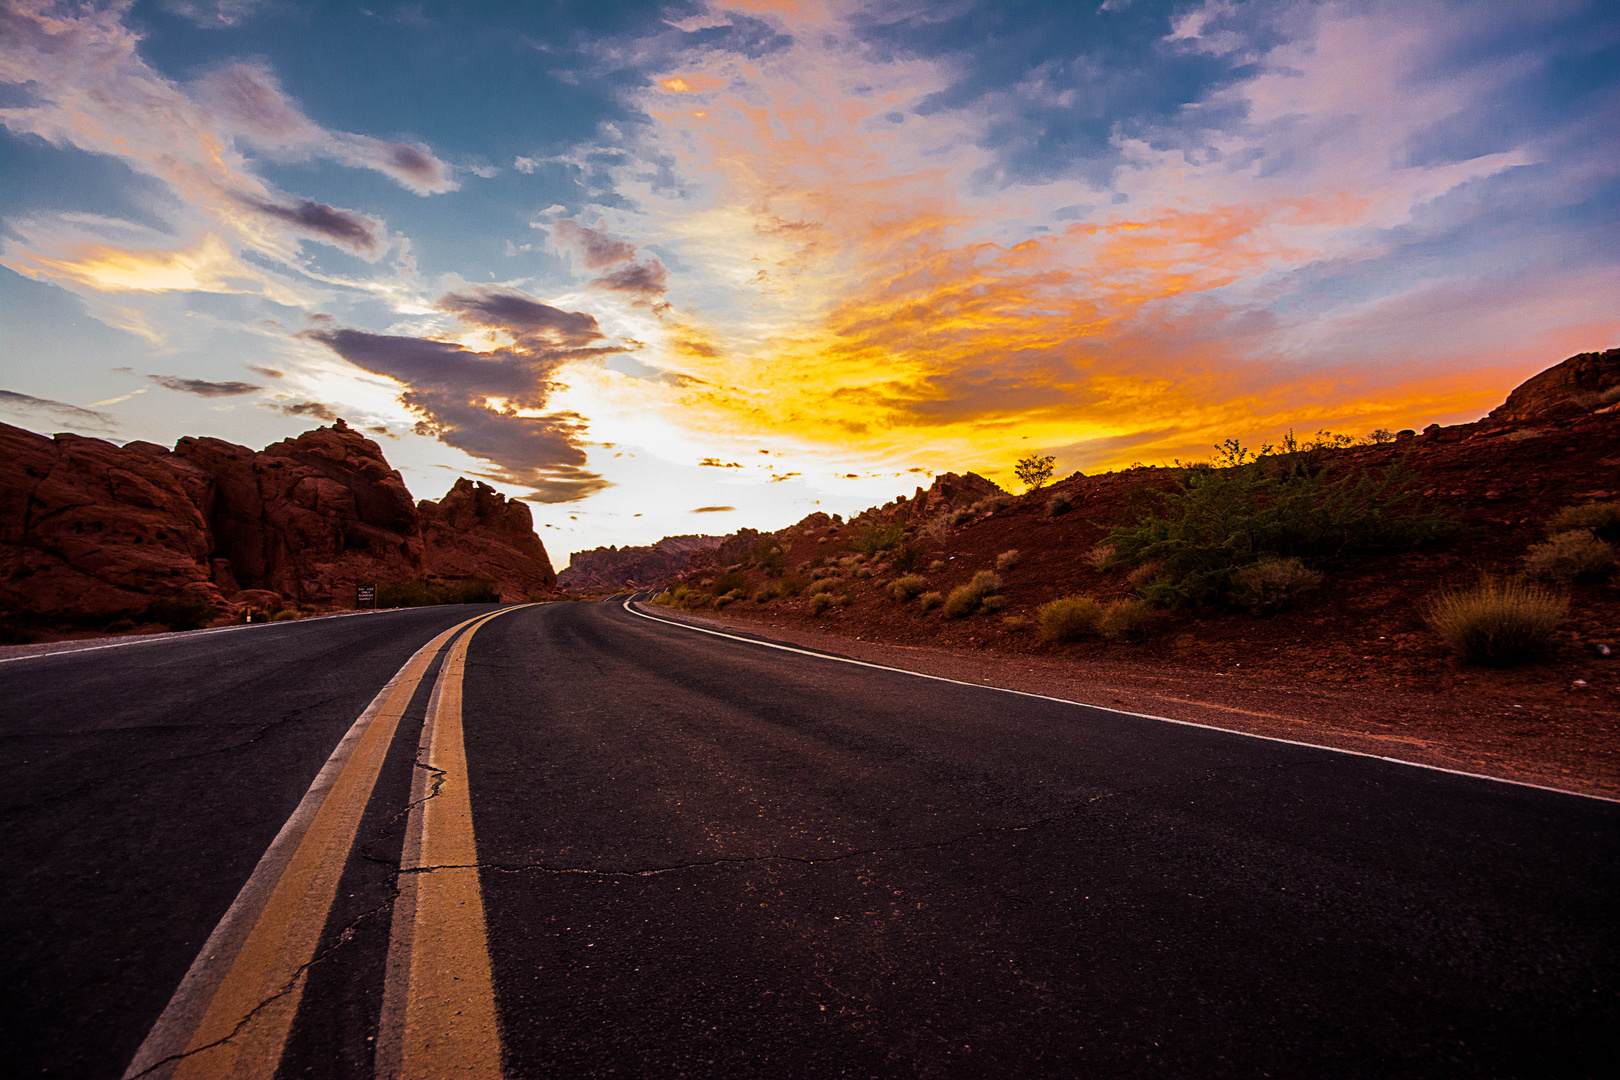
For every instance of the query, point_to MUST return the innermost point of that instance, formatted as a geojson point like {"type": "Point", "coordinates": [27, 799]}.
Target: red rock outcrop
{"type": "Point", "coordinates": [1586, 382]}
{"type": "Point", "coordinates": [474, 532]}
{"type": "Point", "coordinates": [89, 529]}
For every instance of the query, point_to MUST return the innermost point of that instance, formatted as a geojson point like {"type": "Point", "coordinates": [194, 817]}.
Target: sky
{"type": "Point", "coordinates": [667, 268]}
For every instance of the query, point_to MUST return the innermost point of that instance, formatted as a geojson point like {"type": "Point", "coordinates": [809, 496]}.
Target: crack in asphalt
{"type": "Point", "coordinates": [99, 781]}
{"type": "Point", "coordinates": [344, 936]}
{"type": "Point", "coordinates": [522, 868]}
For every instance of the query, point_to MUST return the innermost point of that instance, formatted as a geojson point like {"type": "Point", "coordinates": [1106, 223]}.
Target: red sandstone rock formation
{"type": "Point", "coordinates": [92, 529]}
{"type": "Point", "coordinates": [474, 532]}
{"type": "Point", "coordinates": [1586, 382]}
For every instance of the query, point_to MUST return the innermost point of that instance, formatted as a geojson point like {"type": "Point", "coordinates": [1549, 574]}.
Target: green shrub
{"type": "Point", "coordinates": [819, 602]}
{"type": "Point", "coordinates": [1007, 560]}
{"type": "Point", "coordinates": [1068, 617]}
{"type": "Point", "coordinates": [1213, 521]}
{"type": "Point", "coordinates": [1035, 470]}
{"type": "Point", "coordinates": [183, 611]}
{"type": "Point", "coordinates": [1496, 622]}
{"type": "Point", "coordinates": [391, 594]}
{"type": "Point", "coordinates": [930, 600]}
{"type": "Point", "coordinates": [969, 598]}
{"type": "Point", "coordinates": [904, 588]}
{"type": "Point", "coordinates": [1569, 556]}
{"type": "Point", "coordinates": [1272, 584]}
{"type": "Point", "coordinates": [825, 585]}
{"type": "Point", "coordinates": [1602, 518]}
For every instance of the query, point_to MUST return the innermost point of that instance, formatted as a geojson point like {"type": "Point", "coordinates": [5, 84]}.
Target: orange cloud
{"type": "Point", "coordinates": [689, 84]}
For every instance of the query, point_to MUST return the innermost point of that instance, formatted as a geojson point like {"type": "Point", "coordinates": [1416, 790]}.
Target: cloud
{"type": "Point", "coordinates": [341, 228]}
{"type": "Point", "coordinates": [267, 372]}
{"type": "Point", "coordinates": [217, 14]}
{"type": "Point", "coordinates": [202, 387]}
{"type": "Point", "coordinates": [83, 83]}
{"type": "Point", "coordinates": [12, 401]}
{"type": "Point", "coordinates": [492, 404]}
{"type": "Point", "coordinates": [713, 509]}
{"type": "Point", "coordinates": [316, 409]}
{"type": "Point", "coordinates": [645, 280]}
{"type": "Point", "coordinates": [596, 248]}
{"type": "Point", "coordinates": [716, 463]}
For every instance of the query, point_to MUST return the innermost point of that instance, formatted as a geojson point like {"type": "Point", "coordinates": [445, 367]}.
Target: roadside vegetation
{"type": "Point", "coordinates": [423, 594]}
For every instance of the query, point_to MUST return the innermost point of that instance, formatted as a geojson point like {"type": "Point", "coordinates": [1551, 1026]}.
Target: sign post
{"type": "Point", "coordinates": [365, 596]}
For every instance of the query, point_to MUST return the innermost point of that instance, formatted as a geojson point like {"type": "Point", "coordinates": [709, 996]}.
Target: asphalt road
{"type": "Point", "coordinates": [704, 857]}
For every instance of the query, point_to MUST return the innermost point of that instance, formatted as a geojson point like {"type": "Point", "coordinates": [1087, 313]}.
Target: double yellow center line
{"type": "Point", "coordinates": [234, 1010]}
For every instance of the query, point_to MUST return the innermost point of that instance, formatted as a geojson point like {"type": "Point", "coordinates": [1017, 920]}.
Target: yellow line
{"type": "Point", "coordinates": [438, 1015]}
{"type": "Point", "coordinates": [232, 1013]}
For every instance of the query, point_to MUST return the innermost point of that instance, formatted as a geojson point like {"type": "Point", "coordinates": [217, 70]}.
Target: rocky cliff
{"type": "Point", "coordinates": [617, 568]}
{"type": "Point", "coordinates": [90, 529]}
{"type": "Point", "coordinates": [1585, 383]}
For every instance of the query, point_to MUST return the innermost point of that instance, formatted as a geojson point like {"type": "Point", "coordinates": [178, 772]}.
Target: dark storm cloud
{"type": "Point", "coordinates": [202, 387]}
{"type": "Point", "coordinates": [345, 228]}
{"type": "Point", "coordinates": [646, 280]}
{"type": "Point", "coordinates": [596, 248]}
{"type": "Point", "coordinates": [470, 400]}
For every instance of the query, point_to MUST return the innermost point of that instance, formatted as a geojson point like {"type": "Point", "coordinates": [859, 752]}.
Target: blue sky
{"type": "Point", "coordinates": [636, 261]}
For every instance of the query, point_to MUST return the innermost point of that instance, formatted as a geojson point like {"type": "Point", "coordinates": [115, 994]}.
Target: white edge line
{"type": "Point", "coordinates": [172, 1031]}
{"type": "Point", "coordinates": [1121, 712]}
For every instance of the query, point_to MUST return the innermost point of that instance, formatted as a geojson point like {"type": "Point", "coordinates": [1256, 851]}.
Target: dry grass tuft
{"type": "Point", "coordinates": [931, 600]}
{"type": "Point", "coordinates": [1059, 504]}
{"type": "Point", "coordinates": [969, 598]}
{"type": "Point", "coordinates": [904, 588]}
{"type": "Point", "coordinates": [1497, 622]}
{"type": "Point", "coordinates": [818, 603]}
{"type": "Point", "coordinates": [1098, 556]}
{"type": "Point", "coordinates": [1602, 518]}
{"type": "Point", "coordinates": [1007, 560]}
{"type": "Point", "coordinates": [1068, 617]}
{"type": "Point", "coordinates": [1569, 556]}
{"type": "Point", "coordinates": [1273, 584]}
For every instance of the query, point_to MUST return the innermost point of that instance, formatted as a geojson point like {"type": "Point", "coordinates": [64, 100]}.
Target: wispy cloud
{"type": "Point", "coordinates": [79, 417]}
{"type": "Point", "coordinates": [204, 388]}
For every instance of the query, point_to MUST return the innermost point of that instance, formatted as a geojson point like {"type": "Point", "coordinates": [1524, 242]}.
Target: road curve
{"type": "Point", "coordinates": [702, 857]}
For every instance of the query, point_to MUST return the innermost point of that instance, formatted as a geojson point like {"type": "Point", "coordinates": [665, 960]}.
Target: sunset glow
{"type": "Point", "coordinates": [826, 239]}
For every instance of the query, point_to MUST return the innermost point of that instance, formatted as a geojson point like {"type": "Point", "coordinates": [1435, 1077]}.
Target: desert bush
{"type": "Point", "coordinates": [1007, 560]}
{"type": "Point", "coordinates": [1497, 622]}
{"type": "Point", "coordinates": [958, 517]}
{"type": "Point", "coordinates": [392, 594]}
{"type": "Point", "coordinates": [818, 603]}
{"type": "Point", "coordinates": [1126, 618]}
{"type": "Point", "coordinates": [843, 599]}
{"type": "Point", "coordinates": [904, 588]}
{"type": "Point", "coordinates": [183, 611]}
{"type": "Point", "coordinates": [877, 536]}
{"type": "Point", "coordinates": [767, 592]}
{"type": "Point", "coordinates": [1068, 617]}
{"type": "Point", "coordinates": [968, 598]}
{"type": "Point", "coordinates": [1147, 572]}
{"type": "Point", "coordinates": [120, 626]}
{"type": "Point", "coordinates": [1098, 556]}
{"type": "Point", "coordinates": [864, 572]}
{"type": "Point", "coordinates": [1569, 556]}
{"type": "Point", "coordinates": [905, 558]}
{"type": "Point", "coordinates": [991, 604]}
{"type": "Point", "coordinates": [769, 557]}
{"type": "Point", "coordinates": [936, 566]}
{"type": "Point", "coordinates": [1213, 521]}
{"type": "Point", "coordinates": [824, 585]}
{"type": "Point", "coordinates": [791, 585]}
{"type": "Point", "coordinates": [930, 600]}
{"type": "Point", "coordinates": [1015, 623]}
{"type": "Point", "coordinates": [938, 527]}
{"type": "Point", "coordinates": [1602, 518]}
{"type": "Point", "coordinates": [997, 503]}
{"type": "Point", "coordinates": [728, 580]}
{"type": "Point", "coordinates": [286, 615]}
{"type": "Point", "coordinates": [1059, 504]}
{"type": "Point", "coordinates": [1272, 584]}
{"type": "Point", "coordinates": [1035, 470]}
{"type": "Point", "coordinates": [721, 601]}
